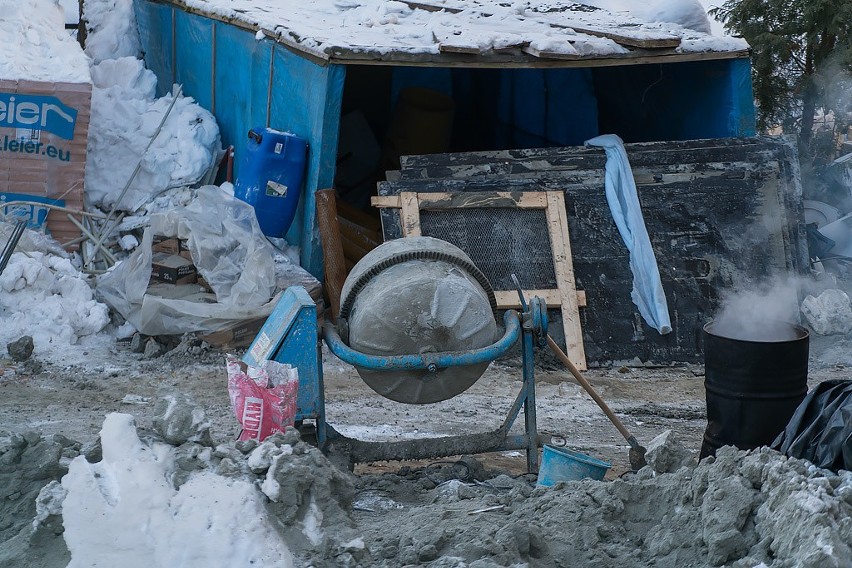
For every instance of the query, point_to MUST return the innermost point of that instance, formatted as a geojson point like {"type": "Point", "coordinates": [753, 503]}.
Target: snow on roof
{"type": "Point", "coordinates": [424, 31]}
{"type": "Point", "coordinates": [36, 46]}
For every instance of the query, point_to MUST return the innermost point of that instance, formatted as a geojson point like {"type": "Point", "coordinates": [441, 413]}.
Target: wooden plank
{"type": "Point", "coordinates": [391, 201]}
{"type": "Point", "coordinates": [508, 299]}
{"type": "Point", "coordinates": [364, 238]}
{"type": "Point", "coordinates": [357, 216]}
{"type": "Point", "coordinates": [560, 243]}
{"type": "Point", "coordinates": [621, 39]}
{"type": "Point", "coordinates": [438, 201]}
{"type": "Point", "coordinates": [455, 43]}
{"type": "Point", "coordinates": [550, 54]}
{"type": "Point", "coordinates": [539, 170]}
{"type": "Point", "coordinates": [651, 153]}
{"type": "Point", "coordinates": [552, 180]}
{"type": "Point", "coordinates": [410, 212]}
{"type": "Point", "coordinates": [369, 55]}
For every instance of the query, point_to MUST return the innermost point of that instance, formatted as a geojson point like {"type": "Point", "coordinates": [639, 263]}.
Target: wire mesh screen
{"type": "Point", "coordinates": [500, 241]}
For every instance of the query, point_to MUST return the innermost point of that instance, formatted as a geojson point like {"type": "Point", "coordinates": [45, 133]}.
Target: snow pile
{"type": "Point", "coordinates": [829, 313]}
{"type": "Point", "coordinates": [139, 500]}
{"type": "Point", "coordinates": [125, 511]}
{"type": "Point", "coordinates": [36, 46]}
{"type": "Point", "coordinates": [378, 27]}
{"type": "Point", "coordinates": [46, 297]}
{"type": "Point", "coordinates": [111, 29]}
{"type": "Point", "coordinates": [125, 116]}
{"type": "Point", "coordinates": [690, 14]}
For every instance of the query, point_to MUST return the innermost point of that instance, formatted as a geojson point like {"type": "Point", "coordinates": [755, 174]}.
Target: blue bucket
{"type": "Point", "coordinates": [562, 464]}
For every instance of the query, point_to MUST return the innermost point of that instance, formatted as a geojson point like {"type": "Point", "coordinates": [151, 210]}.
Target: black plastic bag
{"type": "Point", "coordinates": [820, 430]}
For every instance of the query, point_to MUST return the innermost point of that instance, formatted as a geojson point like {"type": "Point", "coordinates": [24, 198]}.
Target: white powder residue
{"type": "Point", "coordinates": [122, 511]}
{"type": "Point", "coordinates": [36, 46]}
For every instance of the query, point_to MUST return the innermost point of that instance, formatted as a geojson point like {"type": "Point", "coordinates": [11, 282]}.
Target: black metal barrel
{"type": "Point", "coordinates": [753, 387]}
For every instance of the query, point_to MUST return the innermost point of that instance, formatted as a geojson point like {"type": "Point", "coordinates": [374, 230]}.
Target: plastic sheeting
{"type": "Point", "coordinates": [623, 199]}
{"type": "Point", "coordinates": [820, 430]}
{"type": "Point", "coordinates": [247, 82]}
{"type": "Point", "coordinates": [227, 248]}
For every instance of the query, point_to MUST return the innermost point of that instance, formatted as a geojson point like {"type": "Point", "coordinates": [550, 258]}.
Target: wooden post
{"type": "Point", "coordinates": [332, 248]}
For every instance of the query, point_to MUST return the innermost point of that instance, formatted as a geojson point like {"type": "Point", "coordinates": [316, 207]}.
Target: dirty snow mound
{"type": "Point", "coordinates": [46, 297]}
{"type": "Point", "coordinates": [111, 29]}
{"type": "Point", "coordinates": [125, 116]}
{"type": "Point", "coordinates": [125, 511]}
{"type": "Point", "coordinates": [36, 46]}
{"type": "Point", "coordinates": [738, 510]}
{"type": "Point", "coordinates": [688, 13]}
{"type": "Point", "coordinates": [28, 521]}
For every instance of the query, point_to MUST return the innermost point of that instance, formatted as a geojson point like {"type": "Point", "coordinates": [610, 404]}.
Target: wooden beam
{"type": "Point", "coordinates": [390, 201]}
{"type": "Point", "coordinates": [410, 212]}
{"type": "Point", "coordinates": [519, 60]}
{"type": "Point", "coordinates": [508, 299]}
{"type": "Point", "coordinates": [563, 265]}
{"type": "Point", "coordinates": [438, 201]}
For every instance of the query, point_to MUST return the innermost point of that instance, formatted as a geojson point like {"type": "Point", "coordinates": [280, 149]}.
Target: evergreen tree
{"type": "Point", "coordinates": [801, 59]}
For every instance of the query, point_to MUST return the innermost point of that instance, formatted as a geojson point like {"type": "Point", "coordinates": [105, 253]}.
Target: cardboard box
{"type": "Point", "coordinates": [240, 335]}
{"type": "Point", "coordinates": [168, 245]}
{"type": "Point", "coordinates": [172, 269]}
{"type": "Point", "coordinates": [204, 284]}
{"type": "Point", "coordinates": [43, 136]}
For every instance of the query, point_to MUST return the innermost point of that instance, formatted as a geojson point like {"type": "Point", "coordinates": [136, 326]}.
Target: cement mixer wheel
{"type": "Point", "coordinates": [346, 304]}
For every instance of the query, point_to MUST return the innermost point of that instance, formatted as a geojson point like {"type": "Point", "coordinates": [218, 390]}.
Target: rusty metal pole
{"type": "Point", "coordinates": [332, 248]}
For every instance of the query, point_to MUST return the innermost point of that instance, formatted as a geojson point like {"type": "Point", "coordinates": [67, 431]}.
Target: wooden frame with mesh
{"type": "Point", "coordinates": [565, 296]}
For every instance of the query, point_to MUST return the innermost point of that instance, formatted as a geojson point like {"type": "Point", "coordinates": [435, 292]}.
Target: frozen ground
{"type": "Point", "coordinates": [740, 511]}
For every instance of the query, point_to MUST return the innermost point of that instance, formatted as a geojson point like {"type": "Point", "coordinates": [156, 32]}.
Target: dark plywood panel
{"type": "Point", "coordinates": [729, 210]}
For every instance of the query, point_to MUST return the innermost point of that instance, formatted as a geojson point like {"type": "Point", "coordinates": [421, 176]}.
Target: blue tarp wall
{"type": "Point", "coordinates": [247, 82]}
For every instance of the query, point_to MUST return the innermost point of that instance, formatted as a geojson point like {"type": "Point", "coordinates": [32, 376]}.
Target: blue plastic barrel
{"type": "Point", "coordinates": [271, 176]}
{"type": "Point", "coordinates": [562, 464]}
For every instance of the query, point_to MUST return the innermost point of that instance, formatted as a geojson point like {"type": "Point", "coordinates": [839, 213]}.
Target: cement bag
{"type": "Point", "coordinates": [820, 430]}
{"type": "Point", "coordinates": [263, 398]}
{"type": "Point", "coordinates": [227, 248]}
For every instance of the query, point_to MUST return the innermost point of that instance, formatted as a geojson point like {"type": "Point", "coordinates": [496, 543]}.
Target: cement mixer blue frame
{"type": "Point", "coordinates": [290, 336]}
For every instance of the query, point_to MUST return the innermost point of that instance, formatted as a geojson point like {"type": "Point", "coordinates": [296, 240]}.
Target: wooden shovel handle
{"type": "Point", "coordinates": [586, 385]}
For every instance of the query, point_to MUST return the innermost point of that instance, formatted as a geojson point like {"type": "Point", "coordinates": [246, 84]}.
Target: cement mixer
{"type": "Point", "coordinates": [418, 295]}
{"type": "Point", "coordinates": [419, 322]}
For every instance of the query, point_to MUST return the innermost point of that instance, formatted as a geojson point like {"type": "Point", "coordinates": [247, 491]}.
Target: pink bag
{"type": "Point", "coordinates": [264, 398]}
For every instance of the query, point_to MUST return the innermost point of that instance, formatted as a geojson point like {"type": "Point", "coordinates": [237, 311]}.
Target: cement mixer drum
{"type": "Point", "coordinates": [418, 295]}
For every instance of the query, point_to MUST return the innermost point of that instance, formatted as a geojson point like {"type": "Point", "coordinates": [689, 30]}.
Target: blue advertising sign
{"type": "Point", "coordinates": [37, 112]}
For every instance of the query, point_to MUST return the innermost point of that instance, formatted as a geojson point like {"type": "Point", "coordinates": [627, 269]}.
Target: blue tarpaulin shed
{"type": "Point", "coordinates": [549, 74]}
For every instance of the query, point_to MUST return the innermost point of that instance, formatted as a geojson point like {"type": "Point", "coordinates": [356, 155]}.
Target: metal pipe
{"type": "Point", "coordinates": [107, 230]}
{"type": "Point", "coordinates": [106, 252]}
{"type": "Point", "coordinates": [425, 361]}
{"type": "Point", "coordinates": [14, 237]}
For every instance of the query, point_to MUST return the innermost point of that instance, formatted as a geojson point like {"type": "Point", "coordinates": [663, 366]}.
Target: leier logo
{"type": "Point", "coordinates": [37, 112]}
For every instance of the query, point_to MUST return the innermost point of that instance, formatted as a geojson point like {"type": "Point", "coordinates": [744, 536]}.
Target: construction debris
{"type": "Point", "coordinates": [740, 509]}
{"type": "Point", "coordinates": [22, 349]}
